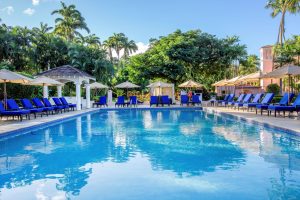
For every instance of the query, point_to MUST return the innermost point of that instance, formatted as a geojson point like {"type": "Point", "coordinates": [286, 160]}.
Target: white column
{"type": "Point", "coordinates": [59, 93]}
{"type": "Point", "coordinates": [45, 91]}
{"type": "Point", "coordinates": [78, 95]}
{"type": "Point", "coordinates": [88, 95]}
{"type": "Point", "coordinates": [109, 97]}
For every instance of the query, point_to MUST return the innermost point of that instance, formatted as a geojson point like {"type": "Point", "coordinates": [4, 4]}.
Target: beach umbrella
{"type": "Point", "coordinates": [44, 81]}
{"type": "Point", "coordinates": [126, 85]}
{"type": "Point", "coordinates": [7, 76]}
{"type": "Point", "coordinates": [97, 85]}
{"type": "Point", "coordinates": [190, 84]}
{"type": "Point", "coordinates": [286, 71]}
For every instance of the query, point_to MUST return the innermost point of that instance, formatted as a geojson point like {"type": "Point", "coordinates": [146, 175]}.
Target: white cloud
{"type": "Point", "coordinates": [29, 11]}
{"type": "Point", "coordinates": [142, 48]}
{"type": "Point", "coordinates": [35, 2]}
{"type": "Point", "coordinates": [8, 10]}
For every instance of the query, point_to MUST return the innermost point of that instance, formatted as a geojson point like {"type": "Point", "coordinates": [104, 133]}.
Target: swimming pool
{"type": "Point", "coordinates": [150, 154]}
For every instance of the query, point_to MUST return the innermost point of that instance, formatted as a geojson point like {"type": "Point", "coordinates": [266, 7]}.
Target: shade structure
{"type": "Point", "coordinates": [44, 81]}
{"type": "Point", "coordinates": [68, 73]}
{"type": "Point", "coordinates": [126, 85]}
{"type": "Point", "coordinates": [234, 81]}
{"type": "Point", "coordinates": [254, 77]}
{"type": "Point", "coordinates": [160, 84]}
{"type": "Point", "coordinates": [220, 83]}
{"type": "Point", "coordinates": [97, 85]}
{"type": "Point", "coordinates": [168, 87]}
{"type": "Point", "coordinates": [289, 70]}
{"type": "Point", "coordinates": [7, 76]}
{"type": "Point", "coordinates": [285, 71]}
{"type": "Point", "coordinates": [190, 84]}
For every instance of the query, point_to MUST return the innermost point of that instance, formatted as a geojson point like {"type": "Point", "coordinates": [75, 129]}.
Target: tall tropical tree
{"type": "Point", "coordinates": [129, 47]}
{"type": "Point", "coordinates": [69, 22]}
{"type": "Point", "coordinates": [281, 7]}
{"type": "Point", "coordinates": [118, 40]}
{"type": "Point", "coordinates": [109, 45]}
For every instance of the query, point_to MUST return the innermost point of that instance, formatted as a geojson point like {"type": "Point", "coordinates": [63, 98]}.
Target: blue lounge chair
{"type": "Point", "coordinates": [28, 106]}
{"type": "Point", "coordinates": [239, 100]}
{"type": "Point", "coordinates": [13, 113]}
{"type": "Point", "coordinates": [39, 104]}
{"type": "Point", "coordinates": [48, 104]}
{"type": "Point", "coordinates": [59, 103]}
{"type": "Point", "coordinates": [221, 101]}
{"type": "Point", "coordinates": [246, 100]}
{"type": "Point", "coordinates": [102, 101]}
{"type": "Point", "coordinates": [164, 100]}
{"type": "Point", "coordinates": [229, 100]}
{"type": "Point", "coordinates": [196, 100]}
{"type": "Point", "coordinates": [66, 103]}
{"type": "Point", "coordinates": [254, 102]}
{"type": "Point", "coordinates": [283, 102]}
{"type": "Point", "coordinates": [133, 101]}
{"type": "Point", "coordinates": [120, 101]}
{"type": "Point", "coordinates": [277, 108]}
{"type": "Point", "coordinates": [184, 99]}
{"type": "Point", "coordinates": [153, 100]}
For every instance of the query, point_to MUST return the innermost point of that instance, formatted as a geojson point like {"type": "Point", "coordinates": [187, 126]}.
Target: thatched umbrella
{"type": "Point", "coordinates": [7, 76]}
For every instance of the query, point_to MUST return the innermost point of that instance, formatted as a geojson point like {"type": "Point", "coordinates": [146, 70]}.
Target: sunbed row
{"type": "Point", "coordinates": [36, 107]}
{"type": "Point", "coordinates": [184, 99]}
{"type": "Point", "coordinates": [249, 102]}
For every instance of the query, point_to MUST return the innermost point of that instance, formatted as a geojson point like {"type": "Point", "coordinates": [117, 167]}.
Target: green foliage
{"type": "Point", "coordinates": [288, 53]}
{"type": "Point", "coordinates": [185, 55]}
{"type": "Point", "coordinates": [249, 65]}
{"type": "Point", "coordinates": [273, 88]}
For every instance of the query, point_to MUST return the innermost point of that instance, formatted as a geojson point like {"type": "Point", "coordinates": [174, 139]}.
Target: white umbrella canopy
{"type": "Point", "coordinates": [12, 77]}
{"type": "Point", "coordinates": [44, 81]}
{"type": "Point", "coordinates": [126, 85]}
{"type": "Point", "coordinates": [7, 76]}
{"type": "Point", "coordinates": [190, 84]}
{"type": "Point", "coordinates": [97, 85]}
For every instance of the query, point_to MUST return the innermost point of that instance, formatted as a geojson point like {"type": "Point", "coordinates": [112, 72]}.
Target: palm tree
{"type": "Point", "coordinates": [118, 42]}
{"type": "Point", "coordinates": [108, 45]}
{"type": "Point", "coordinates": [43, 29]}
{"type": "Point", "coordinates": [129, 47]}
{"type": "Point", "coordinates": [70, 22]}
{"type": "Point", "coordinates": [282, 7]}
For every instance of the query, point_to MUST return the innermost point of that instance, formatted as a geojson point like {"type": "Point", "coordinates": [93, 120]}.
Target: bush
{"type": "Point", "coordinates": [273, 88]}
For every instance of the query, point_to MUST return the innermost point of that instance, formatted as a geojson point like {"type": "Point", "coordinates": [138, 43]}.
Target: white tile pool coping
{"type": "Point", "coordinates": [283, 124]}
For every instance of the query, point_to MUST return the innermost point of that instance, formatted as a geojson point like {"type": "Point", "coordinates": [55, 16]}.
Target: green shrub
{"type": "Point", "coordinates": [273, 88]}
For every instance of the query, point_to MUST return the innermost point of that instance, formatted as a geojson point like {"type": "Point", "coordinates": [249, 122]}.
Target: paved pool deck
{"type": "Point", "coordinates": [289, 124]}
{"type": "Point", "coordinates": [284, 123]}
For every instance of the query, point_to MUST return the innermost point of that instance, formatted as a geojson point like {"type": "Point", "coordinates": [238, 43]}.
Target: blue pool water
{"type": "Point", "coordinates": [150, 154]}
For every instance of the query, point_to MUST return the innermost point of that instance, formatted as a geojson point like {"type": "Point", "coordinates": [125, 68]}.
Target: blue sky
{"type": "Point", "coordinates": [141, 20]}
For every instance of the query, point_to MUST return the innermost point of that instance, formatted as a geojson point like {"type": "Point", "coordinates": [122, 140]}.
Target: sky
{"type": "Point", "coordinates": [141, 20]}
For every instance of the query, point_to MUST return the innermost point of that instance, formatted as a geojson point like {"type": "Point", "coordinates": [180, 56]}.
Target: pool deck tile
{"type": "Point", "coordinates": [284, 124]}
